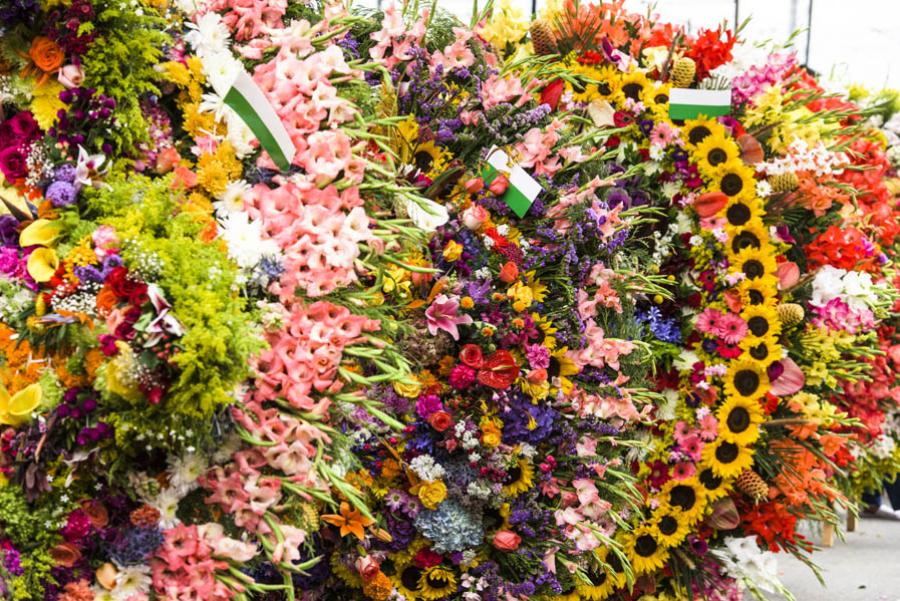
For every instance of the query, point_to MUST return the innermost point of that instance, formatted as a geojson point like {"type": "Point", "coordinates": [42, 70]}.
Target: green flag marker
{"type": "Point", "coordinates": [685, 103]}
{"type": "Point", "coordinates": [252, 106]}
{"type": "Point", "coordinates": [523, 188]}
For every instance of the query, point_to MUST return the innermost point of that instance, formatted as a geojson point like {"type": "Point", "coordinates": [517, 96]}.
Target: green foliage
{"type": "Point", "coordinates": [197, 279]}
{"type": "Point", "coordinates": [30, 585]}
{"type": "Point", "coordinates": [120, 63]}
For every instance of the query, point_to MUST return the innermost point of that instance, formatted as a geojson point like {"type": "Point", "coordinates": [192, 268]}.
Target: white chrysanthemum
{"type": "Point", "coordinates": [130, 581]}
{"type": "Point", "coordinates": [166, 503]}
{"type": "Point", "coordinates": [243, 236]}
{"type": "Point", "coordinates": [749, 564]}
{"type": "Point", "coordinates": [185, 470]}
{"type": "Point", "coordinates": [426, 468]}
{"type": "Point", "coordinates": [209, 36]}
{"type": "Point", "coordinates": [221, 69]}
{"type": "Point", "coordinates": [827, 285]}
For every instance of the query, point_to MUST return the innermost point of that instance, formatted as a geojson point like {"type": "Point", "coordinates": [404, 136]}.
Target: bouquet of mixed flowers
{"type": "Point", "coordinates": [306, 301]}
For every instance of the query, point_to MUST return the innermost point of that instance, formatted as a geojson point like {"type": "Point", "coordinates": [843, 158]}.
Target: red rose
{"type": "Point", "coordinates": [440, 420]}
{"type": "Point", "coordinates": [125, 288]}
{"type": "Point", "coordinates": [551, 94]}
{"type": "Point", "coordinates": [499, 370]}
{"type": "Point", "coordinates": [426, 558]}
{"type": "Point", "coordinates": [470, 354]}
{"type": "Point", "coordinates": [13, 163]}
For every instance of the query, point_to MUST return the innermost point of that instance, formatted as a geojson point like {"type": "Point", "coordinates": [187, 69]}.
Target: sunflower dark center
{"type": "Point", "coordinates": [597, 578]}
{"type": "Point", "coordinates": [683, 496]}
{"type": "Point", "coordinates": [716, 156]}
{"type": "Point", "coordinates": [645, 545]}
{"type": "Point", "coordinates": [632, 90]}
{"type": "Point", "coordinates": [410, 577]}
{"type": "Point", "coordinates": [738, 420]}
{"type": "Point", "coordinates": [513, 475]}
{"type": "Point", "coordinates": [738, 214]}
{"type": "Point", "coordinates": [753, 269]}
{"type": "Point", "coordinates": [709, 480]}
{"type": "Point", "coordinates": [615, 564]}
{"type": "Point", "coordinates": [744, 240]}
{"type": "Point", "coordinates": [756, 297]}
{"type": "Point", "coordinates": [727, 452]}
{"type": "Point", "coordinates": [746, 381]}
{"type": "Point", "coordinates": [424, 161]}
{"type": "Point", "coordinates": [698, 134]}
{"type": "Point", "coordinates": [604, 88]}
{"type": "Point", "coordinates": [732, 184]}
{"type": "Point", "coordinates": [760, 351]}
{"type": "Point", "coordinates": [668, 525]}
{"type": "Point", "coordinates": [758, 325]}
{"type": "Point", "coordinates": [661, 99]}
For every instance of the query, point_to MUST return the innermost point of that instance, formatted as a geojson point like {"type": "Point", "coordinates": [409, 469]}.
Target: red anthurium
{"type": "Point", "coordinates": [499, 370]}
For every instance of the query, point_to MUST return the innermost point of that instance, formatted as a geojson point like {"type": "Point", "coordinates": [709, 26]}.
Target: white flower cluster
{"type": "Point", "coordinates": [468, 440]}
{"type": "Point", "coordinates": [853, 287]}
{"type": "Point", "coordinates": [800, 157]}
{"type": "Point", "coordinates": [749, 564]}
{"type": "Point", "coordinates": [244, 237]}
{"type": "Point", "coordinates": [426, 468]}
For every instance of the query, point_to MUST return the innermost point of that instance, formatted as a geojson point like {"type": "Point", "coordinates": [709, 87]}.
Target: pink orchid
{"type": "Point", "coordinates": [443, 315]}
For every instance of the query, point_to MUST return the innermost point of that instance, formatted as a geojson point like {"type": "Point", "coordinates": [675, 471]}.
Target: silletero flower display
{"type": "Point", "coordinates": [309, 301]}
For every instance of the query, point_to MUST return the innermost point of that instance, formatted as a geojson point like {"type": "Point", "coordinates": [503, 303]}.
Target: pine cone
{"type": "Point", "coordinates": [785, 182]}
{"type": "Point", "coordinates": [790, 314]}
{"type": "Point", "coordinates": [542, 37]}
{"type": "Point", "coordinates": [752, 485]}
{"type": "Point", "coordinates": [683, 71]}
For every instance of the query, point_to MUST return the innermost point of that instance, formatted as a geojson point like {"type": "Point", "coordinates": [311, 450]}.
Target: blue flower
{"type": "Point", "coordinates": [451, 527]}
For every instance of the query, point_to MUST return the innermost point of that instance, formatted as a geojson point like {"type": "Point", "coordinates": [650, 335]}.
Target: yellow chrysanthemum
{"type": "Point", "coordinates": [739, 421]}
{"type": "Point", "coordinates": [45, 103]}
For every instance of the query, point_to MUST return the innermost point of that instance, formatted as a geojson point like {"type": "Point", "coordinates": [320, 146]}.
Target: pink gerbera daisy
{"type": "Point", "coordinates": [732, 328]}
{"type": "Point", "coordinates": [710, 321]}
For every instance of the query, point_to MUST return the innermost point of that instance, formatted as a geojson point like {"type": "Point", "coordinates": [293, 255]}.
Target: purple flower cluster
{"type": "Point", "coordinates": [63, 190]}
{"type": "Point", "coordinates": [86, 120]}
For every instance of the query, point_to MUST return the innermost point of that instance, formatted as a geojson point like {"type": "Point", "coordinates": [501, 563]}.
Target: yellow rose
{"type": "Point", "coordinates": [409, 391]}
{"type": "Point", "coordinates": [432, 493]}
{"type": "Point", "coordinates": [453, 251]}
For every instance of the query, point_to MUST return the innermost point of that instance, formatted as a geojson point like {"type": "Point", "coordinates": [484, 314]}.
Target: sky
{"type": "Point", "coordinates": [850, 42]}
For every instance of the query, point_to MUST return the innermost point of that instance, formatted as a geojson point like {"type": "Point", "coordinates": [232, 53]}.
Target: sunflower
{"type": "Point", "coordinates": [765, 350]}
{"type": "Point", "coordinates": [727, 459]}
{"type": "Point", "coordinates": [518, 478]}
{"type": "Point", "coordinates": [431, 159]}
{"type": "Point", "coordinates": [645, 552]}
{"type": "Point", "coordinates": [562, 366]}
{"type": "Point", "coordinates": [752, 234]}
{"type": "Point", "coordinates": [762, 320]}
{"type": "Point", "coordinates": [746, 380]}
{"type": "Point", "coordinates": [742, 210]}
{"type": "Point", "coordinates": [406, 580]}
{"type": "Point", "coordinates": [761, 292]}
{"type": "Point", "coordinates": [603, 82]}
{"type": "Point", "coordinates": [637, 87]}
{"type": "Point", "coordinates": [733, 178]}
{"type": "Point", "coordinates": [670, 526]}
{"type": "Point", "coordinates": [658, 101]}
{"type": "Point", "coordinates": [714, 150]}
{"type": "Point", "coordinates": [546, 329]}
{"type": "Point", "coordinates": [754, 263]}
{"type": "Point", "coordinates": [602, 585]}
{"type": "Point", "coordinates": [437, 582]}
{"type": "Point", "coordinates": [697, 130]}
{"type": "Point", "coordinates": [685, 496]}
{"type": "Point", "coordinates": [714, 487]}
{"type": "Point", "coordinates": [739, 421]}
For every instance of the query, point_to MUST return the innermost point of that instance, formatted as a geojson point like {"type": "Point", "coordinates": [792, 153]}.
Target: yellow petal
{"type": "Point", "coordinates": [26, 400]}
{"type": "Point", "coordinates": [42, 232]}
{"type": "Point", "coordinates": [4, 400]}
{"type": "Point", "coordinates": [42, 264]}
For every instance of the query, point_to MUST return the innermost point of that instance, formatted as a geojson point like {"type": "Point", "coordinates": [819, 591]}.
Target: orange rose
{"type": "Point", "coordinates": [509, 272]}
{"type": "Point", "coordinates": [65, 555]}
{"type": "Point", "coordinates": [46, 54]}
{"type": "Point", "coordinates": [96, 513]}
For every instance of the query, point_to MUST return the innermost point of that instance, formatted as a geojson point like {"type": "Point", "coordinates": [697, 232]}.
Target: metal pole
{"type": "Point", "coordinates": [809, 16]}
{"type": "Point", "coordinates": [737, 12]}
{"type": "Point", "coordinates": [533, 8]}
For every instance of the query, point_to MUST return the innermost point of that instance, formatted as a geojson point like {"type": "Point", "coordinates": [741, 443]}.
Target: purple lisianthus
{"type": "Point", "coordinates": [9, 233]}
{"type": "Point", "coordinates": [61, 193]}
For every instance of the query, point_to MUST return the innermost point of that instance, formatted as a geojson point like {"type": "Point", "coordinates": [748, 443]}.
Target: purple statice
{"type": "Point", "coordinates": [11, 558]}
{"type": "Point", "coordinates": [134, 545]}
{"type": "Point", "coordinates": [350, 46]}
{"type": "Point", "coordinates": [61, 194]}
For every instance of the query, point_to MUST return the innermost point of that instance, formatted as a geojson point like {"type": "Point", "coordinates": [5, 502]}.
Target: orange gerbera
{"type": "Point", "coordinates": [350, 521]}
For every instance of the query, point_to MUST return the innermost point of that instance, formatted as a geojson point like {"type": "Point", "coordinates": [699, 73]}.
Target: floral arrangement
{"type": "Point", "coordinates": [500, 324]}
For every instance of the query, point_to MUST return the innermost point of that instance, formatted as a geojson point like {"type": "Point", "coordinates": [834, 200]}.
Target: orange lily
{"type": "Point", "coordinates": [350, 521]}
